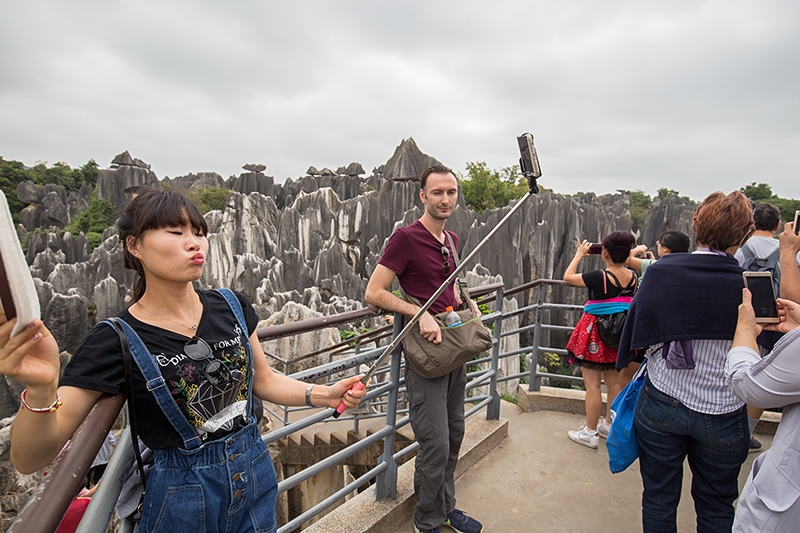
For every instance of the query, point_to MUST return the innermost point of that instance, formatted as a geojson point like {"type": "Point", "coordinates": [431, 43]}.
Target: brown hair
{"type": "Point", "coordinates": [723, 221]}
{"type": "Point", "coordinates": [435, 169]}
{"type": "Point", "coordinates": [154, 209]}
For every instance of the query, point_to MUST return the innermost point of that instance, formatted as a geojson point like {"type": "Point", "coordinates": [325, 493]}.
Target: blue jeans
{"type": "Point", "coordinates": [667, 432]}
{"type": "Point", "coordinates": [224, 486]}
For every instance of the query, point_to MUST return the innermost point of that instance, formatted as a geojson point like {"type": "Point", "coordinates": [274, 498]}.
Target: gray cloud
{"type": "Point", "coordinates": [692, 96]}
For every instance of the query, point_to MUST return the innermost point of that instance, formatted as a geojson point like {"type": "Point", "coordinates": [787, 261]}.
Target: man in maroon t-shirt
{"type": "Point", "coordinates": [420, 257]}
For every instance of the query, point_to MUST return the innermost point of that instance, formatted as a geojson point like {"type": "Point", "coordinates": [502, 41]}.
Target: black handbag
{"type": "Point", "coordinates": [610, 328]}
{"type": "Point", "coordinates": [459, 344]}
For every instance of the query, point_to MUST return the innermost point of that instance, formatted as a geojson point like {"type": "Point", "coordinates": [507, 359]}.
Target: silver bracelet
{"type": "Point", "coordinates": [308, 395]}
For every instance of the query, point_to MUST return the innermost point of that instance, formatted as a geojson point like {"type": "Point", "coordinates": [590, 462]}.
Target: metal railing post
{"type": "Point", "coordinates": [98, 514]}
{"type": "Point", "coordinates": [493, 409]}
{"type": "Point", "coordinates": [386, 481]}
{"type": "Point", "coordinates": [534, 380]}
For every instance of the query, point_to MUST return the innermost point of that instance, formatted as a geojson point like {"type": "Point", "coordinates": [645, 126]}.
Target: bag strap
{"type": "Point", "coordinates": [748, 253]}
{"type": "Point", "coordinates": [158, 387]}
{"type": "Point", "coordinates": [453, 249]}
{"type": "Point", "coordinates": [462, 283]}
{"type": "Point", "coordinates": [127, 363]}
{"type": "Point", "coordinates": [631, 284]}
{"type": "Point", "coordinates": [236, 307]}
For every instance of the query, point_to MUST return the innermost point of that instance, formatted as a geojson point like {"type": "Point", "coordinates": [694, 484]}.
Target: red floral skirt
{"type": "Point", "coordinates": [585, 343]}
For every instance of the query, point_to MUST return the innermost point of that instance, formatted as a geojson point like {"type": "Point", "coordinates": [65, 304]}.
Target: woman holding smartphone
{"type": "Point", "coordinates": [212, 471]}
{"type": "Point", "coordinates": [610, 291]}
{"type": "Point", "coordinates": [770, 500]}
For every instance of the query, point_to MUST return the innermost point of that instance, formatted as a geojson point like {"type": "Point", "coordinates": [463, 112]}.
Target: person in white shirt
{"type": "Point", "coordinates": [770, 500]}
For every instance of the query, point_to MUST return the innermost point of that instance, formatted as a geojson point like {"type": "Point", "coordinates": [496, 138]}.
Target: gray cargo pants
{"type": "Point", "coordinates": [436, 410]}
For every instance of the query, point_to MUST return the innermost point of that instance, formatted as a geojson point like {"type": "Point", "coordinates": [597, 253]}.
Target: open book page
{"type": "Point", "coordinates": [20, 282]}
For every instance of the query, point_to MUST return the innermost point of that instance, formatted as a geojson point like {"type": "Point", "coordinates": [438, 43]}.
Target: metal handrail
{"type": "Point", "coordinates": [385, 473]}
{"type": "Point", "coordinates": [47, 506]}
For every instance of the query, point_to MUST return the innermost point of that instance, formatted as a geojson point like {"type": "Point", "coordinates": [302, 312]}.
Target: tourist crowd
{"type": "Point", "coordinates": [712, 367]}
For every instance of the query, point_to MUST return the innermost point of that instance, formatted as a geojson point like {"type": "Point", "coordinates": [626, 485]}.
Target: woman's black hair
{"type": "Point", "coordinates": [154, 208]}
{"type": "Point", "coordinates": [676, 241]}
{"type": "Point", "coordinates": [618, 244]}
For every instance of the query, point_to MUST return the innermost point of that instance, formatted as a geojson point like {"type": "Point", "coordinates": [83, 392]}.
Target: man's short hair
{"type": "Point", "coordinates": [767, 216]}
{"type": "Point", "coordinates": [435, 169]}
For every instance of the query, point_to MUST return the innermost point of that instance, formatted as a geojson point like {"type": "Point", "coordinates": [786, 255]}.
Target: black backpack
{"type": "Point", "coordinates": [771, 264]}
{"type": "Point", "coordinates": [610, 326]}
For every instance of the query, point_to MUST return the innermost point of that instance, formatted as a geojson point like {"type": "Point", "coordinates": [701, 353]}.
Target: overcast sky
{"type": "Point", "coordinates": [691, 96]}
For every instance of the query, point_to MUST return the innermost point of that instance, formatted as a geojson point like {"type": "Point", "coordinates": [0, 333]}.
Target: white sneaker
{"type": "Point", "coordinates": [603, 427]}
{"type": "Point", "coordinates": [585, 436]}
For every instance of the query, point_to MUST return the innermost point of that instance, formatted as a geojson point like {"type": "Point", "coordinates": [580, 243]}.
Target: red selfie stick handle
{"type": "Point", "coordinates": [342, 407]}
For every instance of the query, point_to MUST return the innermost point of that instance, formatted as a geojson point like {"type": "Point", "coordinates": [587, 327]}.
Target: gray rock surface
{"type": "Point", "coordinates": [49, 206]}
{"type": "Point", "coordinates": [126, 176]}
{"type": "Point", "coordinates": [193, 182]}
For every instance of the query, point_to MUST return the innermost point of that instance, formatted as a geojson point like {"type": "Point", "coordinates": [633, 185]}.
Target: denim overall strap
{"type": "Point", "coordinates": [236, 307]}
{"type": "Point", "coordinates": [157, 385]}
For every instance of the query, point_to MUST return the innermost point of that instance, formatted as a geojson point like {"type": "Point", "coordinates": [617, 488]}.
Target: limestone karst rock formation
{"type": "Point", "coordinates": [49, 206]}
{"type": "Point", "coordinates": [126, 176]}
{"type": "Point", "coordinates": [318, 238]}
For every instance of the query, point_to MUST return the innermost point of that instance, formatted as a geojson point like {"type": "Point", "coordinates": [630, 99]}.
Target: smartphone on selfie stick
{"type": "Point", "coordinates": [760, 286]}
{"type": "Point", "coordinates": [528, 161]}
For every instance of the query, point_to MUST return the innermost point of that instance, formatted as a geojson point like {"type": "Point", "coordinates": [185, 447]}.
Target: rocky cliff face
{"type": "Point", "coordinates": [315, 241]}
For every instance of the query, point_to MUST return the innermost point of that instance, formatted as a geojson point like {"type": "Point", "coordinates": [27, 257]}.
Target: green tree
{"type": "Point", "coordinates": [640, 205]}
{"type": "Point", "coordinates": [94, 220]}
{"type": "Point", "coordinates": [664, 192]}
{"type": "Point", "coordinates": [486, 189]}
{"type": "Point", "coordinates": [88, 173]}
{"type": "Point", "coordinates": [762, 192]}
{"type": "Point", "coordinates": [209, 199]}
{"type": "Point", "coordinates": [12, 173]}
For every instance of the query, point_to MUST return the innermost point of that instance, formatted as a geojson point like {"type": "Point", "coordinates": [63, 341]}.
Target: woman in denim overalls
{"type": "Point", "coordinates": [198, 367]}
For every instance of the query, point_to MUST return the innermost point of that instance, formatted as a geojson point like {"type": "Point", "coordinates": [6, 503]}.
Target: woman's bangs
{"type": "Point", "coordinates": [176, 210]}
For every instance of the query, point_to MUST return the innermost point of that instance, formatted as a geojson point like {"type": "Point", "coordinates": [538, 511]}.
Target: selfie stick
{"type": "Point", "coordinates": [529, 164]}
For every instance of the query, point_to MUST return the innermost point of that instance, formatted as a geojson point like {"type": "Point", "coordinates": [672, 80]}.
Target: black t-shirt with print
{"type": "Point", "coordinates": [211, 395]}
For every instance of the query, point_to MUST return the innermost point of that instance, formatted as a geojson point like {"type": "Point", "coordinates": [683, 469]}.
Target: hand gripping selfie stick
{"type": "Point", "coordinates": [529, 165]}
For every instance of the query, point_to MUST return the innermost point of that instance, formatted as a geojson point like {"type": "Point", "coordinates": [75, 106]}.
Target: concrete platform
{"type": "Point", "coordinates": [539, 480]}
{"type": "Point", "coordinates": [524, 474]}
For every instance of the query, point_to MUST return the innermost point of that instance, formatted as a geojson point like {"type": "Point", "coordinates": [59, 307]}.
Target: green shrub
{"type": "Point", "coordinates": [209, 199]}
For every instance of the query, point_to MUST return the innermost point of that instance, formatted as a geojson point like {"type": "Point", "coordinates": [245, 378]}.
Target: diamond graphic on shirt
{"type": "Point", "coordinates": [210, 400]}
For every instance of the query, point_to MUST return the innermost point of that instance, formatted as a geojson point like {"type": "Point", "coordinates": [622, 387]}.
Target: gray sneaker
{"type": "Point", "coordinates": [603, 428]}
{"type": "Point", "coordinates": [586, 437]}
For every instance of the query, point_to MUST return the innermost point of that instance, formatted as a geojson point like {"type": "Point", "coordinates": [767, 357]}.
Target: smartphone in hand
{"type": "Point", "coordinates": [763, 291]}
{"type": "Point", "coordinates": [796, 220]}
{"type": "Point", "coordinates": [596, 248]}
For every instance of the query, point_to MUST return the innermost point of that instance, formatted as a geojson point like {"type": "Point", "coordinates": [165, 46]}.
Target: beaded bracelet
{"type": "Point", "coordinates": [49, 409]}
{"type": "Point", "coordinates": [308, 395]}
